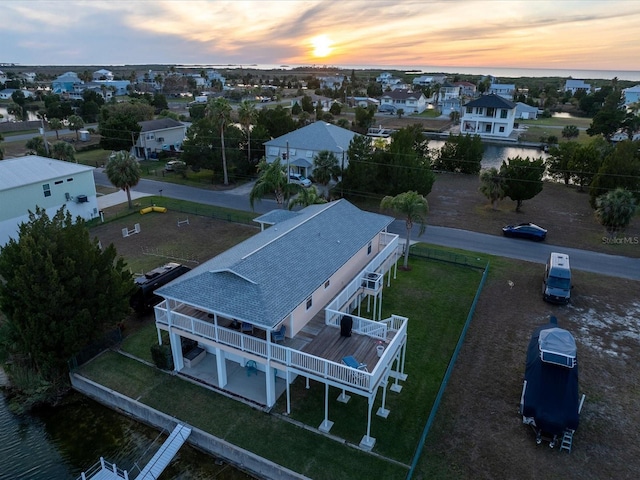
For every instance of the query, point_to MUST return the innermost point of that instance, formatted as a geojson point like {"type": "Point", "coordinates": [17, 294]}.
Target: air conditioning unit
{"type": "Point", "coordinates": [82, 199]}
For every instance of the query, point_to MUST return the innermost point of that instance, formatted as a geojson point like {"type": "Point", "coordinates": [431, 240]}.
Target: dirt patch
{"type": "Point", "coordinates": [478, 432]}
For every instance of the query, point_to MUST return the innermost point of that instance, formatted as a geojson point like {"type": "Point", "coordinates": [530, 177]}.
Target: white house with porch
{"type": "Point", "coordinates": [488, 116]}
{"type": "Point", "coordinates": [290, 302]}
{"type": "Point", "coordinates": [297, 149]}
{"type": "Point", "coordinates": [409, 101]}
{"type": "Point", "coordinates": [157, 135]}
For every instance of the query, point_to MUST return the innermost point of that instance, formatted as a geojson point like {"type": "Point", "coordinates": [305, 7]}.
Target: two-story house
{"type": "Point", "coordinates": [488, 116]}
{"type": "Point", "coordinates": [102, 74]}
{"type": "Point", "coordinates": [289, 302]}
{"type": "Point", "coordinates": [574, 86]}
{"type": "Point", "coordinates": [65, 83]}
{"type": "Point", "coordinates": [407, 100]}
{"type": "Point", "coordinates": [449, 98]}
{"type": "Point", "coordinates": [631, 96]}
{"type": "Point", "coordinates": [27, 182]}
{"type": "Point", "coordinates": [157, 135]}
{"type": "Point", "coordinates": [505, 90]}
{"type": "Point", "coordinates": [297, 149]}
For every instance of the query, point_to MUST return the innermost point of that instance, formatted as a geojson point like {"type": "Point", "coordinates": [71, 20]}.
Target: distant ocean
{"type": "Point", "coordinates": [631, 75]}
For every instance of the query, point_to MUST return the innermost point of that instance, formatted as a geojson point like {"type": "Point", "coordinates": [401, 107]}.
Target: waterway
{"type": "Point", "coordinates": [494, 154]}
{"type": "Point", "coordinates": [63, 442]}
{"type": "Point", "coordinates": [5, 117]}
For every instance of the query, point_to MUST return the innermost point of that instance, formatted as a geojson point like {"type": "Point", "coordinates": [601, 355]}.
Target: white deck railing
{"type": "Point", "coordinates": [293, 358]}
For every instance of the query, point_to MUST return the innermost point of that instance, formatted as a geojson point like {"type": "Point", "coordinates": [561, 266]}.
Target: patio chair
{"type": "Point", "coordinates": [279, 335]}
{"type": "Point", "coordinates": [251, 367]}
{"type": "Point", "coordinates": [350, 361]}
{"type": "Point", "coordinates": [246, 327]}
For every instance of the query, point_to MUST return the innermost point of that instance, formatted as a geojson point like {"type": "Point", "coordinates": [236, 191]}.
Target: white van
{"type": "Point", "coordinates": [556, 284]}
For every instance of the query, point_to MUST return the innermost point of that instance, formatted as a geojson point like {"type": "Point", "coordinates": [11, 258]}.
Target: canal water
{"type": "Point", "coordinates": [494, 154]}
{"type": "Point", "coordinates": [63, 442]}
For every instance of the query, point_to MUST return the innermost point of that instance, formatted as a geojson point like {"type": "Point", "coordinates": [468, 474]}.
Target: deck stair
{"type": "Point", "coordinates": [165, 453]}
{"type": "Point", "coordinates": [567, 440]}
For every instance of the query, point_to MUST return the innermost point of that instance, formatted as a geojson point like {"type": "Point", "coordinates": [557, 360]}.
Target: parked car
{"type": "Point", "coordinates": [299, 179]}
{"type": "Point", "coordinates": [529, 231]}
{"type": "Point", "coordinates": [172, 165]}
{"type": "Point", "coordinates": [386, 108]}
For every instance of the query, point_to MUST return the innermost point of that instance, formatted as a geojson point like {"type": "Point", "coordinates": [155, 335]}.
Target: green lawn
{"type": "Point", "coordinates": [435, 296]}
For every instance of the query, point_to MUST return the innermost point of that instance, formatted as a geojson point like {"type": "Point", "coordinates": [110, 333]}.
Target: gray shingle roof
{"type": "Point", "coordinates": [159, 124]}
{"type": "Point", "coordinates": [491, 101]}
{"type": "Point", "coordinates": [263, 279]}
{"type": "Point", "coordinates": [317, 136]}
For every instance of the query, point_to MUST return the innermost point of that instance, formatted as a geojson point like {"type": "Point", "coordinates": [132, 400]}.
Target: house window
{"type": "Point", "coordinates": [327, 283]}
{"type": "Point", "coordinates": [58, 182]}
{"type": "Point", "coordinates": [469, 110]}
{"type": "Point", "coordinates": [503, 113]}
{"type": "Point", "coordinates": [69, 179]}
{"type": "Point", "coordinates": [501, 129]}
{"type": "Point", "coordinates": [369, 249]}
{"type": "Point", "coordinates": [491, 112]}
{"type": "Point", "coordinates": [309, 302]}
{"type": "Point", "coordinates": [46, 189]}
{"type": "Point", "coordinates": [480, 111]}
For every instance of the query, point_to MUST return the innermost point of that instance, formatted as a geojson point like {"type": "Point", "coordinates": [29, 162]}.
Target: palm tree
{"type": "Point", "coordinates": [56, 124]}
{"type": "Point", "coordinates": [492, 186]}
{"type": "Point", "coordinates": [615, 209]}
{"type": "Point", "coordinates": [64, 151]}
{"type": "Point", "coordinates": [272, 179]}
{"type": "Point", "coordinates": [325, 167]}
{"type": "Point", "coordinates": [124, 172]}
{"type": "Point", "coordinates": [414, 208]}
{"type": "Point", "coordinates": [247, 114]}
{"type": "Point", "coordinates": [219, 112]}
{"type": "Point", "coordinates": [306, 197]}
{"type": "Point", "coordinates": [75, 123]}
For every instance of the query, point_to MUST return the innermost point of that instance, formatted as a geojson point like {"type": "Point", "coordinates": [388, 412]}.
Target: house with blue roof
{"type": "Point", "coordinates": [297, 149]}
{"type": "Point", "coordinates": [488, 116]}
{"type": "Point", "coordinates": [290, 301]}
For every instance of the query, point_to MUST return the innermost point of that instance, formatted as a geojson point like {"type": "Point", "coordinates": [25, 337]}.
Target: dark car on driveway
{"type": "Point", "coordinates": [529, 231]}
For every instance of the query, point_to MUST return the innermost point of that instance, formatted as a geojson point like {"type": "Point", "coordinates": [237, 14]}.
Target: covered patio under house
{"type": "Point", "coordinates": [230, 310]}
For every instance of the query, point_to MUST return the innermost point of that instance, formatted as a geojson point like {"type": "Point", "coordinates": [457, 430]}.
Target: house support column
{"type": "Point", "coordinates": [221, 366]}
{"type": "Point", "coordinates": [382, 411]}
{"type": "Point", "coordinates": [288, 391]}
{"type": "Point", "coordinates": [368, 441]}
{"type": "Point", "coordinates": [343, 397]}
{"type": "Point", "coordinates": [159, 332]}
{"type": "Point", "coordinates": [176, 351]}
{"type": "Point", "coordinates": [380, 307]}
{"type": "Point", "coordinates": [326, 425]}
{"type": "Point", "coordinates": [270, 385]}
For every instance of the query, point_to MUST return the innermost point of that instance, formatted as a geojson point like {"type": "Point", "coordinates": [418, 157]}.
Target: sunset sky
{"type": "Point", "coordinates": [589, 34]}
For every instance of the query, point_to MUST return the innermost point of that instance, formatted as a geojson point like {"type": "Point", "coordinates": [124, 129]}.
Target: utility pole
{"type": "Point", "coordinates": [44, 137]}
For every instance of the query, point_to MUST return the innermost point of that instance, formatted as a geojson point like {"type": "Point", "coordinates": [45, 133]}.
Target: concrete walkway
{"type": "Point", "coordinates": [116, 198]}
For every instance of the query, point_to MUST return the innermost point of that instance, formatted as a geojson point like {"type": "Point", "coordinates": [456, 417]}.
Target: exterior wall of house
{"type": "Point", "coordinates": [17, 202]}
{"type": "Point", "coordinates": [322, 296]}
{"type": "Point", "coordinates": [493, 122]}
{"type": "Point", "coordinates": [151, 142]}
{"type": "Point", "coordinates": [631, 95]}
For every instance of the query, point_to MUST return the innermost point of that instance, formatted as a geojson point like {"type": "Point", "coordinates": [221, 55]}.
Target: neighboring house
{"type": "Point", "coordinates": [505, 90]}
{"type": "Point", "coordinates": [300, 276]}
{"type": "Point", "coordinates": [102, 74]}
{"type": "Point", "coordinates": [65, 83]}
{"type": "Point", "coordinates": [3, 77]}
{"type": "Point", "coordinates": [448, 91]}
{"type": "Point", "coordinates": [631, 95]}
{"type": "Point", "coordinates": [157, 135]}
{"type": "Point", "coordinates": [574, 86]}
{"type": "Point", "coordinates": [29, 77]}
{"type": "Point", "coordinates": [8, 92]}
{"type": "Point", "coordinates": [467, 89]}
{"type": "Point", "coordinates": [363, 102]}
{"type": "Point", "coordinates": [526, 112]}
{"type": "Point", "coordinates": [334, 82]}
{"type": "Point", "coordinates": [428, 80]}
{"type": "Point", "coordinates": [27, 182]}
{"type": "Point", "coordinates": [449, 105]}
{"type": "Point", "coordinates": [305, 143]}
{"type": "Point", "coordinates": [410, 102]}
{"type": "Point", "coordinates": [488, 116]}
{"type": "Point", "coordinates": [387, 80]}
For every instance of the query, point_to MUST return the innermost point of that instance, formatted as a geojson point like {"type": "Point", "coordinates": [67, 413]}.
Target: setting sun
{"type": "Point", "coordinates": [321, 46]}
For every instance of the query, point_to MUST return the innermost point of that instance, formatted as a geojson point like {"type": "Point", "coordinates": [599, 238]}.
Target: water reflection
{"type": "Point", "coordinates": [63, 442]}
{"type": "Point", "coordinates": [494, 155]}
{"type": "Point", "coordinates": [6, 117]}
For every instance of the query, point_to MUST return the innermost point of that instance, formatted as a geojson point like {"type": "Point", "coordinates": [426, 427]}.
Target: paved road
{"type": "Point", "coordinates": [238, 199]}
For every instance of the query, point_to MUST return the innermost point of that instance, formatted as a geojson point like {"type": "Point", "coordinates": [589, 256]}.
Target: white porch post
{"type": "Point", "coordinates": [380, 307]}
{"type": "Point", "coordinates": [221, 366]}
{"type": "Point", "coordinates": [176, 351]}
{"type": "Point", "coordinates": [288, 391]}
{"type": "Point", "coordinates": [368, 441]}
{"type": "Point", "coordinates": [270, 385]}
{"type": "Point", "coordinates": [159, 331]}
{"type": "Point", "coordinates": [326, 425]}
{"type": "Point", "coordinates": [382, 411]}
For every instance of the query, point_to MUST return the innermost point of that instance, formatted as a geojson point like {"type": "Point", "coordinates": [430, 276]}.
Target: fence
{"type": "Point", "coordinates": [90, 351]}
{"type": "Point", "coordinates": [466, 261]}
{"type": "Point", "coordinates": [421, 251]}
